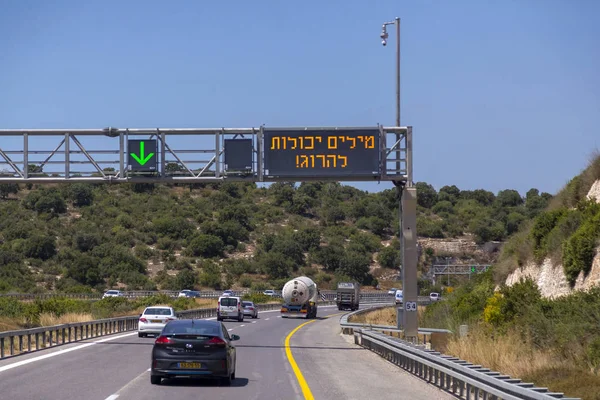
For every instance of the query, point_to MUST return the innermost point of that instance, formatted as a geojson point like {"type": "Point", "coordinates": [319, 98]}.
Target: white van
{"type": "Point", "coordinates": [230, 307]}
{"type": "Point", "coordinates": [398, 297]}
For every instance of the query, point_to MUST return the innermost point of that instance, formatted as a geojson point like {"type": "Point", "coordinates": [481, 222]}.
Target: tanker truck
{"type": "Point", "coordinates": [300, 297]}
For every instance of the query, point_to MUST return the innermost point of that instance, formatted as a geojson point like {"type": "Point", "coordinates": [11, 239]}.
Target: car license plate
{"type": "Point", "coordinates": [189, 365]}
{"type": "Point", "coordinates": [156, 321]}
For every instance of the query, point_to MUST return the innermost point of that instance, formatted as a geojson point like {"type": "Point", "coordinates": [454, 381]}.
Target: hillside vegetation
{"type": "Point", "coordinates": [552, 342]}
{"type": "Point", "coordinates": [567, 232]}
{"type": "Point", "coordinates": [82, 237]}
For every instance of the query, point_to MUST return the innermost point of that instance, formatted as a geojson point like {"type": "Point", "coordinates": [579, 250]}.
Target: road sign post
{"type": "Point", "coordinates": [409, 260]}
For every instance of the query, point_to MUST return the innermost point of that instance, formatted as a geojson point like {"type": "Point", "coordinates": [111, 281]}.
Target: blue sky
{"type": "Point", "coordinates": [500, 94]}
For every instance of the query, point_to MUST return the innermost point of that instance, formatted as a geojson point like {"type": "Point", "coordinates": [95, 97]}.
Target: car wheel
{"type": "Point", "coordinates": [140, 334]}
{"type": "Point", "coordinates": [155, 380]}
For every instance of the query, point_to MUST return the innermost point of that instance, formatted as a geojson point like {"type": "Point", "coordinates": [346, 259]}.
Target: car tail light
{"type": "Point", "coordinates": [170, 319]}
{"type": "Point", "coordinates": [163, 340]}
{"type": "Point", "coordinates": [144, 320]}
{"type": "Point", "coordinates": [251, 308]}
{"type": "Point", "coordinates": [217, 341]}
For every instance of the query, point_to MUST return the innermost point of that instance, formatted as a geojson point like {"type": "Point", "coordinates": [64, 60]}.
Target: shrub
{"type": "Point", "coordinates": [543, 224]}
{"type": "Point", "coordinates": [580, 249]}
{"type": "Point", "coordinates": [206, 246]}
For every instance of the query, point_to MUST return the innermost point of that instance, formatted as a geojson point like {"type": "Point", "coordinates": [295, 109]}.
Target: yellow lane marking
{"type": "Point", "coordinates": [288, 352]}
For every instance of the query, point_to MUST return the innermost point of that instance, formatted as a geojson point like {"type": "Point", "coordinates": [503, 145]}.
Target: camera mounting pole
{"type": "Point", "coordinates": [407, 214]}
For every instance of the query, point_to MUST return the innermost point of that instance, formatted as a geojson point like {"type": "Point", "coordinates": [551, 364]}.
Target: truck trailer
{"type": "Point", "coordinates": [300, 297]}
{"type": "Point", "coordinates": [348, 296]}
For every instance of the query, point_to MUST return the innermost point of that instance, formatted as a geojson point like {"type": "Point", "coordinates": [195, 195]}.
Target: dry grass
{"type": "Point", "coordinates": [508, 354]}
{"type": "Point", "coordinates": [382, 316]}
{"type": "Point", "coordinates": [9, 324]}
{"type": "Point", "coordinates": [511, 355]}
{"type": "Point", "coordinates": [50, 319]}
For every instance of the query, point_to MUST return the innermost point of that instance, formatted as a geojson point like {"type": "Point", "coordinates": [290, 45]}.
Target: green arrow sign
{"type": "Point", "coordinates": [142, 155]}
{"type": "Point", "coordinates": [141, 159]}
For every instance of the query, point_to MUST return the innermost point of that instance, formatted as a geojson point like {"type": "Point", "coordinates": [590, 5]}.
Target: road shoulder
{"type": "Point", "coordinates": [334, 367]}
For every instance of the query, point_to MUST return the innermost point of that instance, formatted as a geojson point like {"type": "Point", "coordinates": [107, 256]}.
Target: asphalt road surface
{"type": "Point", "coordinates": [323, 364]}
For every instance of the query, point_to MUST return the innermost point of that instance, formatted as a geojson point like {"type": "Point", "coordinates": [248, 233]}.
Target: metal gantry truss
{"type": "Point", "coordinates": [185, 155]}
{"type": "Point", "coordinates": [456, 269]}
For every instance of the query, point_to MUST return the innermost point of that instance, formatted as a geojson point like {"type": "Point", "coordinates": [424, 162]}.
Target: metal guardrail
{"type": "Point", "coordinates": [459, 377]}
{"type": "Point", "coordinates": [451, 374]}
{"type": "Point", "coordinates": [134, 294]}
{"type": "Point", "coordinates": [18, 342]}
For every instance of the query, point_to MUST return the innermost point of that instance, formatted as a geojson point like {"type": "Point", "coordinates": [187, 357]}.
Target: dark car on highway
{"type": "Point", "coordinates": [194, 348]}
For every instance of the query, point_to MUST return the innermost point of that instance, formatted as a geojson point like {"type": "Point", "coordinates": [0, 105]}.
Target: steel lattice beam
{"type": "Point", "coordinates": [183, 155]}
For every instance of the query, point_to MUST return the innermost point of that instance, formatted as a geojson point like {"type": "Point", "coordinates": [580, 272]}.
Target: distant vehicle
{"type": "Point", "coordinates": [227, 293]}
{"type": "Point", "coordinates": [230, 307]}
{"type": "Point", "coordinates": [154, 319]}
{"type": "Point", "coordinates": [434, 296]}
{"type": "Point", "coordinates": [194, 348]}
{"type": "Point", "coordinates": [300, 297]}
{"type": "Point", "coordinates": [399, 299]}
{"type": "Point", "coordinates": [191, 293]}
{"type": "Point", "coordinates": [269, 293]}
{"type": "Point", "coordinates": [392, 291]}
{"type": "Point", "coordinates": [250, 309]}
{"type": "Point", "coordinates": [183, 293]}
{"type": "Point", "coordinates": [348, 296]}
{"type": "Point", "coordinates": [112, 293]}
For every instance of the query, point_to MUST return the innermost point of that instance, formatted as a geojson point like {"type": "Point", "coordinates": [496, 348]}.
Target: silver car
{"type": "Point", "coordinates": [250, 309]}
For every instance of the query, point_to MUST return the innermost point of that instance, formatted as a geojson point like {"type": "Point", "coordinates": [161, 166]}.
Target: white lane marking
{"type": "Point", "coordinates": [230, 329]}
{"type": "Point", "coordinates": [112, 397]}
{"type": "Point", "coordinates": [59, 352]}
{"type": "Point", "coordinates": [149, 369]}
{"type": "Point", "coordinates": [253, 322]}
{"type": "Point", "coordinates": [266, 319]}
{"type": "Point", "coordinates": [241, 325]}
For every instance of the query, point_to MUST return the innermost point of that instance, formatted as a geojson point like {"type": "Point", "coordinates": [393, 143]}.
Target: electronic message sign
{"type": "Point", "coordinates": [321, 153]}
{"type": "Point", "coordinates": [142, 155]}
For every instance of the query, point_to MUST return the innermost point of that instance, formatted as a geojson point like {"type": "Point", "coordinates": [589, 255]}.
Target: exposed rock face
{"type": "Point", "coordinates": [551, 278]}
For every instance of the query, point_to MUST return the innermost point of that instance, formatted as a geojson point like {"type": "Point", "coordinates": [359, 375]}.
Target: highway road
{"type": "Point", "coordinates": [318, 363]}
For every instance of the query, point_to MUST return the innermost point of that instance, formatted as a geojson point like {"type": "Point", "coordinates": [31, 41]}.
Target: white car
{"type": "Point", "coordinates": [113, 293]}
{"type": "Point", "coordinates": [434, 296]}
{"type": "Point", "coordinates": [399, 298]}
{"type": "Point", "coordinates": [154, 319]}
{"type": "Point", "coordinates": [183, 293]}
{"type": "Point", "coordinates": [269, 293]}
{"type": "Point", "coordinates": [230, 307]}
{"type": "Point", "coordinates": [392, 291]}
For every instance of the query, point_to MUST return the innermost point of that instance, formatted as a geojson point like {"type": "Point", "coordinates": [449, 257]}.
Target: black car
{"type": "Point", "coordinates": [195, 348]}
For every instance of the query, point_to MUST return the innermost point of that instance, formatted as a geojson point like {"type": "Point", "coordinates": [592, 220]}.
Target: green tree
{"type": "Point", "coordinates": [426, 195]}
{"type": "Point", "coordinates": [389, 257]}
{"type": "Point", "coordinates": [8, 188]}
{"type": "Point", "coordinates": [206, 246]}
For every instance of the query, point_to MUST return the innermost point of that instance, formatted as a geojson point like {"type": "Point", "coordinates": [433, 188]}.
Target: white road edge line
{"type": "Point", "coordinates": [112, 397]}
{"type": "Point", "coordinates": [59, 352]}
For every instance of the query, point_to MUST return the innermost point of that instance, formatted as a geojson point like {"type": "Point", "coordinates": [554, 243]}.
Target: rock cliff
{"type": "Point", "coordinates": [550, 276]}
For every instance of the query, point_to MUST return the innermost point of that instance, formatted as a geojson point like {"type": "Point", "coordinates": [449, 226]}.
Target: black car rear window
{"type": "Point", "coordinates": [247, 304]}
{"type": "Point", "coordinates": [171, 329]}
{"type": "Point", "coordinates": [157, 311]}
{"type": "Point", "coordinates": [229, 302]}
